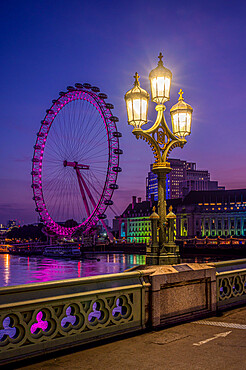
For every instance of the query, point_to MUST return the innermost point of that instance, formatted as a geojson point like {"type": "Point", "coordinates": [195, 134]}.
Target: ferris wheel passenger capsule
{"type": "Point", "coordinates": [86, 85]}
{"type": "Point", "coordinates": [78, 85]}
{"type": "Point", "coordinates": [114, 119]}
{"type": "Point", "coordinates": [102, 216]}
{"type": "Point", "coordinates": [109, 106]}
{"type": "Point", "coordinates": [95, 89]}
{"type": "Point", "coordinates": [103, 96]}
{"type": "Point", "coordinates": [117, 134]}
{"type": "Point", "coordinates": [118, 151]}
{"type": "Point", "coordinates": [108, 202]}
{"type": "Point", "coordinates": [117, 169]}
{"type": "Point", "coordinates": [114, 186]}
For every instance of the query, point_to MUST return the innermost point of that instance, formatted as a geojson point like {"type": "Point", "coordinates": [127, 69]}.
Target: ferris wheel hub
{"type": "Point", "coordinates": [76, 165]}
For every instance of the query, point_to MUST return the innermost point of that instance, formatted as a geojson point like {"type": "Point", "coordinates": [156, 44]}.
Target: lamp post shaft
{"type": "Point", "coordinates": [162, 204]}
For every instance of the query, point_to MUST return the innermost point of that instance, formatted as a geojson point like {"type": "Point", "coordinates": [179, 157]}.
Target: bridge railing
{"type": "Point", "coordinates": [50, 316]}
{"type": "Point", "coordinates": [231, 288]}
{"type": "Point", "coordinates": [39, 318]}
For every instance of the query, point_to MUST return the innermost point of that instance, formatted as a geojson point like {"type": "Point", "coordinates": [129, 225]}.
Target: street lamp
{"type": "Point", "coordinates": [160, 138]}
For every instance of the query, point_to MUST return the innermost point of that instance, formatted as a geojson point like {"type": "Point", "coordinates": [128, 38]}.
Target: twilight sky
{"type": "Point", "coordinates": [48, 45]}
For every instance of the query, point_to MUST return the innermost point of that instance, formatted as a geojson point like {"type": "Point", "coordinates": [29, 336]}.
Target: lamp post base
{"type": "Point", "coordinates": [169, 259]}
{"type": "Point", "coordinates": [152, 259]}
{"type": "Point", "coordinates": [163, 259]}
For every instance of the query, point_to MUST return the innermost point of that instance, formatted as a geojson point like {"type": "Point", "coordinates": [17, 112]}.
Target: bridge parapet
{"type": "Point", "coordinates": [38, 318]}
{"type": "Point", "coordinates": [41, 318]}
{"type": "Point", "coordinates": [231, 288]}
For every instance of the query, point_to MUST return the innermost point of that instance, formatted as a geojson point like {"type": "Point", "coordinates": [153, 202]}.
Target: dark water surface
{"type": "Point", "coordinates": [17, 270]}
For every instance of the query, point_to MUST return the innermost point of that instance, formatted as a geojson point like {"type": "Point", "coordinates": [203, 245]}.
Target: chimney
{"type": "Point", "coordinates": [139, 199]}
{"type": "Point", "coordinates": [152, 198]}
{"type": "Point", "coordinates": [134, 201]}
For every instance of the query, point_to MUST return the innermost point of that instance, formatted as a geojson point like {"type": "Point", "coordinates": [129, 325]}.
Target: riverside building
{"type": "Point", "coordinates": [212, 213]}
{"type": "Point", "coordinates": [200, 213]}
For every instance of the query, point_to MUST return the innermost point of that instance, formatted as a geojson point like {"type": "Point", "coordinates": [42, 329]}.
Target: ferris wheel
{"type": "Point", "coordinates": [76, 161]}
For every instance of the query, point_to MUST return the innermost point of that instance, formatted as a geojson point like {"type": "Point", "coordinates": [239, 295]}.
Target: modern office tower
{"type": "Point", "coordinates": [183, 178]}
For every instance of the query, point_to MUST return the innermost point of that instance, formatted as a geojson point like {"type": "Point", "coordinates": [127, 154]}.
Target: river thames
{"type": "Point", "coordinates": [17, 270]}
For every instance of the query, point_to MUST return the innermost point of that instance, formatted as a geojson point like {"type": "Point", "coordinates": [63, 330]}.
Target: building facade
{"type": "Point", "coordinates": [183, 178]}
{"type": "Point", "coordinates": [201, 213]}
{"type": "Point", "coordinates": [212, 213]}
{"type": "Point", "coordinates": [134, 224]}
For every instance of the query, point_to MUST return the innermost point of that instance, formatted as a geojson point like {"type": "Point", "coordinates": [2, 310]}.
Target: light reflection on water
{"type": "Point", "coordinates": [16, 270]}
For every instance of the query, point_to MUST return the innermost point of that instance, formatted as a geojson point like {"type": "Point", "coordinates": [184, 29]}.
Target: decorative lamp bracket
{"type": "Point", "coordinates": [160, 138]}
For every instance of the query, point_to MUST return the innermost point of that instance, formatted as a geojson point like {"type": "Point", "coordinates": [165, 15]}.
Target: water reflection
{"type": "Point", "coordinates": [16, 270]}
{"type": "Point", "coordinates": [6, 258]}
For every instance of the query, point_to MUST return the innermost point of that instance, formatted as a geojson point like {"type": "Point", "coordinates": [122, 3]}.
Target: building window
{"type": "Point", "coordinates": [238, 224]}
{"type": "Point", "coordinates": [226, 224]}
{"type": "Point", "coordinates": [213, 224]}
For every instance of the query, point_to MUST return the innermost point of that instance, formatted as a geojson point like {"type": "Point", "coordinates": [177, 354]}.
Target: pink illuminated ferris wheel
{"type": "Point", "coordinates": [76, 161]}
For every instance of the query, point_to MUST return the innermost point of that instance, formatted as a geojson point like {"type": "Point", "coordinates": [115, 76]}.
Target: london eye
{"type": "Point", "coordinates": [76, 161]}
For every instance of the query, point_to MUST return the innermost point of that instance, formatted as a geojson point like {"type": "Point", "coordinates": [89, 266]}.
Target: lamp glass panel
{"type": "Point", "coordinates": [188, 123]}
{"type": "Point", "coordinates": [160, 86]}
{"type": "Point", "coordinates": [144, 109]}
{"type": "Point", "coordinates": [181, 123]}
{"type": "Point", "coordinates": [139, 109]}
{"type": "Point", "coordinates": [167, 87]}
{"type": "Point", "coordinates": [175, 123]}
{"type": "Point", "coordinates": [129, 110]}
{"type": "Point", "coordinates": [136, 109]}
{"type": "Point", "coordinates": [182, 119]}
{"type": "Point", "coordinates": [153, 88]}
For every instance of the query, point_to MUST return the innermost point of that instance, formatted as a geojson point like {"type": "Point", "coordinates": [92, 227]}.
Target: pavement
{"type": "Point", "coordinates": [213, 343]}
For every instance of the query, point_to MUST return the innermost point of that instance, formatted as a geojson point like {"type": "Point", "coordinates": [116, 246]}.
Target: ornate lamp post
{"type": "Point", "coordinates": [160, 138]}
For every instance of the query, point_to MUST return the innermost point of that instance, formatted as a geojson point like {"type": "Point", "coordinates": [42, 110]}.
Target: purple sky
{"type": "Point", "coordinates": [48, 45]}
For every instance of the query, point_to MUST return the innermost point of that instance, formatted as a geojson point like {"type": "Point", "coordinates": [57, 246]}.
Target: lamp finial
{"type": "Point", "coordinates": [160, 56]}
{"type": "Point", "coordinates": [181, 94]}
{"type": "Point", "coordinates": [136, 76]}
{"type": "Point", "coordinates": [153, 209]}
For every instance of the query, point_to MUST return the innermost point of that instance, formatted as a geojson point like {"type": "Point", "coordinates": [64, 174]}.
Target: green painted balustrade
{"type": "Point", "coordinates": [40, 318]}
{"type": "Point", "coordinates": [47, 317]}
{"type": "Point", "coordinates": [230, 283]}
{"type": "Point", "coordinates": [231, 288]}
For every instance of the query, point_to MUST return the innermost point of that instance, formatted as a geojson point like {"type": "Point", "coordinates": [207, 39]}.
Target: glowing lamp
{"type": "Point", "coordinates": [181, 114]}
{"type": "Point", "coordinates": [160, 82]}
{"type": "Point", "coordinates": [137, 104]}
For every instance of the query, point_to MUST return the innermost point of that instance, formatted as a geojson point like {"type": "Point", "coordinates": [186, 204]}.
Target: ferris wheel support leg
{"type": "Point", "coordinates": [82, 191]}
{"type": "Point", "coordinates": [110, 235]}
